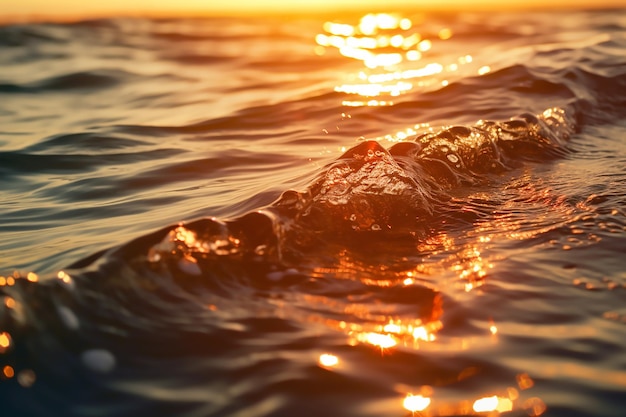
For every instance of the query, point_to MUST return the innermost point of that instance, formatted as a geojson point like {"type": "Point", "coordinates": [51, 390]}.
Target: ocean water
{"type": "Point", "coordinates": [393, 214]}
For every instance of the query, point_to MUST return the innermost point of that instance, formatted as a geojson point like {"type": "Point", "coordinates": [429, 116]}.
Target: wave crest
{"type": "Point", "coordinates": [370, 196]}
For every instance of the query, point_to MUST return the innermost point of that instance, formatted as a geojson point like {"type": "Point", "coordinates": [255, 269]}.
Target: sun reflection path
{"type": "Point", "coordinates": [470, 265]}
{"type": "Point", "coordinates": [383, 42]}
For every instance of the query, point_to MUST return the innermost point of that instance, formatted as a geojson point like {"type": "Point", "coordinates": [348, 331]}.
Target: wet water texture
{"type": "Point", "coordinates": [360, 215]}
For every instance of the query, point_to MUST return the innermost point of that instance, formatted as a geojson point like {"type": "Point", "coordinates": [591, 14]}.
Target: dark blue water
{"type": "Point", "coordinates": [366, 215]}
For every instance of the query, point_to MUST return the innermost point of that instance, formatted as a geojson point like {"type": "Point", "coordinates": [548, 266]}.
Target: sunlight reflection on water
{"type": "Point", "coordinates": [376, 322]}
{"type": "Point", "coordinates": [385, 43]}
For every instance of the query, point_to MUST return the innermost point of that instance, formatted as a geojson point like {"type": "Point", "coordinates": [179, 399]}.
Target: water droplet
{"type": "Point", "coordinates": [534, 406]}
{"type": "Point", "coordinates": [26, 378]}
{"type": "Point", "coordinates": [66, 279]}
{"type": "Point", "coordinates": [453, 158]}
{"type": "Point", "coordinates": [98, 360]}
{"type": "Point", "coordinates": [189, 265]}
{"type": "Point", "coordinates": [415, 403]}
{"type": "Point", "coordinates": [68, 318]}
{"type": "Point", "coordinates": [375, 226]}
{"type": "Point", "coordinates": [8, 371]}
{"type": "Point", "coordinates": [353, 217]}
{"type": "Point", "coordinates": [5, 342]}
{"type": "Point", "coordinates": [328, 360]}
{"type": "Point", "coordinates": [153, 255]}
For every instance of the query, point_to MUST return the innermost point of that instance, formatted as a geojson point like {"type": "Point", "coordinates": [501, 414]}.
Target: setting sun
{"type": "Point", "coordinates": [67, 9]}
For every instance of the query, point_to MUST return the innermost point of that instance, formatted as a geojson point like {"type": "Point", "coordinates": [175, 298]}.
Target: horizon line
{"type": "Point", "coordinates": [392, 7]}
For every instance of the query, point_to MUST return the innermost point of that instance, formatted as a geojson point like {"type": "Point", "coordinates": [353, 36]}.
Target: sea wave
{"type": "Point", "coordinates": [400, 193]}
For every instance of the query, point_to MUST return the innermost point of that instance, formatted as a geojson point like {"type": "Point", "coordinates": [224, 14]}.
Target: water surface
{"type": "Point", "coordinates": [368, 215]}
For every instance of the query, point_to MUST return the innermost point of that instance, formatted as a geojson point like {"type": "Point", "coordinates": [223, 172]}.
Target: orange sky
{"type": "Point", "coordinates": [28, 9]}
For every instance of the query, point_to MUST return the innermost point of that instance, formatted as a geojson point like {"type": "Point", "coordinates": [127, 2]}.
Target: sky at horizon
{"type": "Point", "coordinates": [32, 9]}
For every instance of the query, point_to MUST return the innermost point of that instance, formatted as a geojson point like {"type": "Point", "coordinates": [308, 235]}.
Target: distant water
{"type": "Point", "coordinates": [367, 215]}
